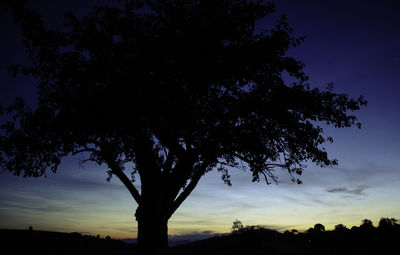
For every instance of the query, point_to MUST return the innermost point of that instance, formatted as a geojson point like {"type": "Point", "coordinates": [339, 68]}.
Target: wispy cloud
{"type": "Point", "coordinates": [359, 190]}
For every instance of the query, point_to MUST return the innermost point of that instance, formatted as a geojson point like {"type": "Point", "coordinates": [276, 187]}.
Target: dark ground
{"type": "Point", "coordinates": [44, 243]}
{"type": "Point", "coordinates": [365, 239]}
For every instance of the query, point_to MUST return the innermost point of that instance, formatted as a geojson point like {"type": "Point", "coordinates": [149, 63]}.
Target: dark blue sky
{"type": "Point", "coordinates": [354, 44]}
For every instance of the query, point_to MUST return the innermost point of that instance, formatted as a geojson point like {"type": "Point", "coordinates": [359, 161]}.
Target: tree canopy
{"type": "Point", "coordinates": [174, 88]}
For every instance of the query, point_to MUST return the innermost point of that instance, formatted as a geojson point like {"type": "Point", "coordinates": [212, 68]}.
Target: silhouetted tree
{"type": "Point", "coordinates": [174, 88]}
{"type": "Point", "coordinates": [319, 227]}
{"type": "Point", "coordinates": [237, 226]}
{"type": "Point", "coordinates": [386, 223]}
{"type": "Point", "coordinates": [354, 228]}
{"type": "Point", "coordinates": [341, 227]}
{"type": "Point", "coordinates": [366, 224]}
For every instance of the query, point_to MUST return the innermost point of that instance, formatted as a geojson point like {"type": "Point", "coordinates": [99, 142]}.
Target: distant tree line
{"type": "Point", "coordinates": [366, 224]}
{"type": "Point", "coordinates": [363, 239]}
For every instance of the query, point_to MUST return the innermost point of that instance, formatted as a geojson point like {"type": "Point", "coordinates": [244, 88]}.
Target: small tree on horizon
{"type": "Point", "coordinates": [341, 227]}
{"type": "Point", "coordinates": [237, 226]}
{"type": "Point", "coordinates": [366, 225]}
{"type": "Point", "coordinates": [175, 89]}
{"type": "Point", "coordinates": [319, 227]}
{"type": "Point", "coordinates": [388, 223]}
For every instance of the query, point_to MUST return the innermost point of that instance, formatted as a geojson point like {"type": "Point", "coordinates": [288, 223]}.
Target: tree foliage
{"type": "Point", "coordinates": [183, 83]}
{"type": "Point", "coordinates": [174, 88]}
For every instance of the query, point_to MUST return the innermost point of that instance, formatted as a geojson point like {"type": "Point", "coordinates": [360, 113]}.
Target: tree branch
{"type": "Point", "coordinates": [249, 161]}
{"type": "Point", "coordinates": [146, 159]}
{"type": "Point", "coordinates": [85, 150]}
{"type": "Point", "coordinates": [186, 192]}
{"type": "Point", "coordinates": [265, 177]}
{"type": "Point", "coordinates": [117, 170]}
{"type": "Point", "coordinates": [128, 184]}
{"type": "Point", "coordinates": [168, 161]}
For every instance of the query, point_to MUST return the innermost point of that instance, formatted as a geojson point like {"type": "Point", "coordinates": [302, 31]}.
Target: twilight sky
{"type": "Point", "coordinates": [354, 44]}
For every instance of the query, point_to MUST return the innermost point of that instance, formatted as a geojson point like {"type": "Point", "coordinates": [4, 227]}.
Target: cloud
{"type": "Point", "coordinates": [359, 190]}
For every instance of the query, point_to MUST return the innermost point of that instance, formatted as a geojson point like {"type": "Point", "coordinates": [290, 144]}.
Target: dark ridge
{"type": "Point", "coordinates": [46, 242]}
{"type": "Point", "coordinates": [250, 240]}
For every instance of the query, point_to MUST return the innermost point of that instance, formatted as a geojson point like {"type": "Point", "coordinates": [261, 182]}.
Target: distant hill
{"type": "Point", "coordinates": [254, 240]}
{"type": "Point", "coordinates": [182, 239]}
{"type": "Point", "coordinates": [56, 243]}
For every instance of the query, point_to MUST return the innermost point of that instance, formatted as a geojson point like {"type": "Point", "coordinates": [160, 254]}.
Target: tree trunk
{"type": "Point", "coordinates": [152, 238]}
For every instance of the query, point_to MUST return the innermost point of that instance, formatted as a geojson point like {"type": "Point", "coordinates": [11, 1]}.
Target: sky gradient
{"type": "Point", "coordinates": [353, 44]}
